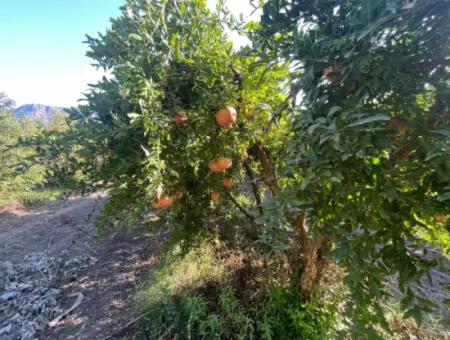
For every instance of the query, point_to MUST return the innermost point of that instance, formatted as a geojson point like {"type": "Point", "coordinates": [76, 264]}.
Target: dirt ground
{"type": "Point", "coordinates": [53, 256]}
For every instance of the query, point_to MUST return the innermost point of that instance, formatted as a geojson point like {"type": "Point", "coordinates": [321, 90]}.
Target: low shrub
{"type": "Point", "coordinates": [193, 297]}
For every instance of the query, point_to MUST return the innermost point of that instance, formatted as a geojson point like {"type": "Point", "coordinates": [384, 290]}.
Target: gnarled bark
{"type": "Point", "coordinates": [313, 259]}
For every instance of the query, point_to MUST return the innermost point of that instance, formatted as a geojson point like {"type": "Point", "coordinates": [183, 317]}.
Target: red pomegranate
{"type": "Point", "coordinates": [180, 118]}
{"type": "Point", "coordinates": [165, 201]}
{"type": "Point", "coordinates": [228, 183]}
{"type": "Point", "coordinates": [215, 196]}
{"type": "Point", "coordinates": [214, 167]}
{"type": "Point", "coordinates": [226, 116]}
{"type": "Point", "coordinates": [224, 163]}
{"type": "Point", "coordinates": [155, 204]}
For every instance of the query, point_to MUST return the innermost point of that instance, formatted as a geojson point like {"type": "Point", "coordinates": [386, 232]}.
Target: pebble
{"type": "Point", "coordinates": [8, 296]}
{"type": "Point", "coordinates": [6, 329]}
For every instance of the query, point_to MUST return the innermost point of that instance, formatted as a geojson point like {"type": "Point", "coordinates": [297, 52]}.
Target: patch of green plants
{"type": "Point", "coordinates": [31, 197]}
{"type": "Point", "coordinates": [192, 297]}
{"type": "Point", "coordinates": [285, 316]}
{"type": "Point", "coordinates": [431, 327]}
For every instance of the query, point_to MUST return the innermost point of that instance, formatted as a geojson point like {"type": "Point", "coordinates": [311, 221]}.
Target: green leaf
{"type": "Point", "coordinates": [333, 110]}
{"type": "Point", "coordinates": [447, 302]}
{"type": "Point", "coordinates": [371, 119]}
{"type": "Point", "coordinates": [445, 133]}
{"type": "Point", "coordinates": [134, 36]}
{"type": "Point", "coordinates": [444, 197]}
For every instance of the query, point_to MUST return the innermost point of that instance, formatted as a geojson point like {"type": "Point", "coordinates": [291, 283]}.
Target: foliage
{"type": "Point", "coordinates": [16, 174]}
{"type": "Point", "coordinates": [342, 109]}
{"type": "Point", "coordinates": [191, 297]}
{"type": "Point", "coordinates": [24, 176]}
{"type": "Point", "coordinates": [284, 316]}
{"type": "Point", "coordinates": [190, 67]}
{"type": "Point", "coordinates": [369, 155]}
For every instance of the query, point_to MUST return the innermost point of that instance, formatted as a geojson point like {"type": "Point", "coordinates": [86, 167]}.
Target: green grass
{"type": "Point", "coordinates": [438, 235]}
{"type": "Point", "coordinates": [195, 296]}
{"type": "Point", "coordinates": [177, 275]}
{"type": "Point", "coordinates": [30, 198]}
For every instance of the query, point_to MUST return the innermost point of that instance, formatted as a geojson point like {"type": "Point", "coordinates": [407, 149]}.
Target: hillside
{"type": "Point", "coordinates": [37, 112]}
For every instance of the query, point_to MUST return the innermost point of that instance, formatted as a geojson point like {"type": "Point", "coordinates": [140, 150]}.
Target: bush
{"type": "Point", "coordinates": [285, 316]}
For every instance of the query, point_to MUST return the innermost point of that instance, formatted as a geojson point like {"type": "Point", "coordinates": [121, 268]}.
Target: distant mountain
{"type": "Point", "coordinates": [38, 112]}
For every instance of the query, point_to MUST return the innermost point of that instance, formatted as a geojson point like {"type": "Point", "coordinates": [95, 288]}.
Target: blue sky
{"type": "Point", "coordinates": [42, 57]}
{"type": "Point", "coordinates": [41, 52]}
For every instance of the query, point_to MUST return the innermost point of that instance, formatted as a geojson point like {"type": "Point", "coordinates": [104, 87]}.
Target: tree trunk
{"type": "Point", "coordinates": [309, 274]}
{"type": "Point", "coordinates": [313, 259]}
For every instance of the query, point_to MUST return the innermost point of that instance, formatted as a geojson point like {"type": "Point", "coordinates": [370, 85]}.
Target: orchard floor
{"type": "Point", "coordinates": [51, 256]}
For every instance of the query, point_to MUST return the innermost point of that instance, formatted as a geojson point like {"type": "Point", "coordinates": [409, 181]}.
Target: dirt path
{"type": "Point", "coordinates": [49, 257]}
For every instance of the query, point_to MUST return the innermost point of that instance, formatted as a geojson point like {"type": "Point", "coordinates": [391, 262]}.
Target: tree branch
{"type": "Point", "coordinates": [269, 172]}
{"type": "Point", "coordinates": [283, 106]}
{"type": "Point", "coordinates": [255, 187]}
{"type": "Point", "coordinates": [240, 207]}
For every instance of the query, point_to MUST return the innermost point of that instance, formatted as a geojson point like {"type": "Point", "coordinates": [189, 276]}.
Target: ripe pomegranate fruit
{"type": "Point", "coordinates": [224, 163]}
{"type": "Point", "coordinates": [226, 116]}
{"type": "Point", "coordinates": [165, 201]}
{"type": "Point", "coordinates": [214, 166]}
{"type": "Point", "coordinates": [228, 183]}
{"type": "Point", "coordinates": [215, 196]}
{"type": "Point", "coordinates": [180, 118]}
{"type": "Point", "coordinates": [155, 204]}
{"type": "Point", "coordinates": [219, 165]}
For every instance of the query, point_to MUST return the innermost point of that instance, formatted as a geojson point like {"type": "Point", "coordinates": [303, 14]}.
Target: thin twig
{"type": "Point", "coordinates": [61, 316]}
{"type": "Point", "coordinates": [240, 207]}
{"type": "Point", "coordinates": [255, 187]}
{"type": "Point", "coordinates": [290, 100]}
{"type": "Point", "coordinates": [268, 169]}
{"type": "Point", "coordinates": [124, 328]}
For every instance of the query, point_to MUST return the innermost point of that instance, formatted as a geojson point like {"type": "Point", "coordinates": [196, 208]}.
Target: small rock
{"type": "Point", "coordinates": [36, 307]}
{"type": "Point", "coordinates": [55, 292]}
{"type": "Point", "coordinates": [6, 329]}
{"type": "Point", "coordinates": [24, 286]}
{"type": "Point", "coordinates": [8, 296]}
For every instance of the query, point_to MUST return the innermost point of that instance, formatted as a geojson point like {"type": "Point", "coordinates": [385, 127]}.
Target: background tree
{"type": "Point", "coordinates": [34, 159]}
{"type": "Point", "coordinates": [17, 174]}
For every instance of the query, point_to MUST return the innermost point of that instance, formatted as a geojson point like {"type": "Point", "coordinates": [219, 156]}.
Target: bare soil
{"type": "Point", "coordinates": [106, 270]}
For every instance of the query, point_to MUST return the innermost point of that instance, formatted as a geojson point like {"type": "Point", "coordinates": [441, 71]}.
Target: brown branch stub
{"type": "Point", "coordinates": [268, 170]}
